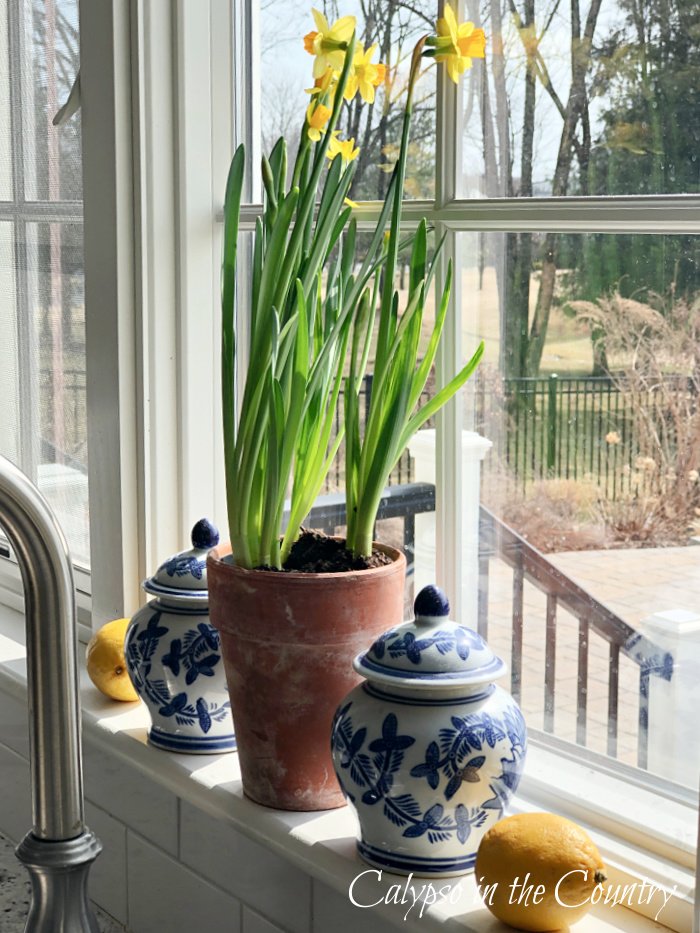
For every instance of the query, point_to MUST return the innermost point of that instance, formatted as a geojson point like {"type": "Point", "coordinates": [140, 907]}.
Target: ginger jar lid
{"type": "Point", "coordinates": [430, 651]}
{"type": "Point", "coordinates": [184, 576]}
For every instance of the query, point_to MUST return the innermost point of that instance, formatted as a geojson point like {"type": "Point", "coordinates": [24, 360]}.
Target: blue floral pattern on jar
{"type": "Point", "coordinates": [160, 665]}
{"type": "Point", "coordinates": [174, 659]}
{"type": "Point", "coordinates": [429, 751]}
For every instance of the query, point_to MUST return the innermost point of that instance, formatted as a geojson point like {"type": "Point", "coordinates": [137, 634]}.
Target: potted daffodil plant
{"type": "Point", "coordinates": [294, 608]}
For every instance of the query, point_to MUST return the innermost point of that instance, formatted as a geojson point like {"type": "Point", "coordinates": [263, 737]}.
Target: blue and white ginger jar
{"type": "Point", "coordinates": [174, 659]}
{"type": "Point", "coordinates": [429, 751]}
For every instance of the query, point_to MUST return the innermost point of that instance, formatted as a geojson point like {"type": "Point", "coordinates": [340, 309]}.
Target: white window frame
{"type": "Point", "coordinates": [151, 165]}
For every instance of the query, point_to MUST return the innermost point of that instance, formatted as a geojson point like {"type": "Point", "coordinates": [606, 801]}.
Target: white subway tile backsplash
{"type": "Point", "coordinates": [108, 924]}
{"type": "Point", "coordinates": [107, 879]}
{"type": "Point", "coordinates": [254, 923]}
{"type": "Point", "coordinates": [335, 912]}
{"type": "Point", "coordinates": [269, 884]}
{"type": "Point", "coordinates": [14, 725]}
{"type": "Point", "coordinates": [130, 796]}
{"type": "Point", "coordinates": [166, 897]}
{"type": "Point", "coordinates": [15, 800]}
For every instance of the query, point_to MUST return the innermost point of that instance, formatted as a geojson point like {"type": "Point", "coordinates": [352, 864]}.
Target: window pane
{"type": "Point", "coordinates": [56, 304]}
{"type": "Point", "coordinates": [42, 310]}
{"type": "Point", "coordinates": [42, 368]}
{"type": "Point", "coordinates": [9, 334]}
{"type": "Point", "coordinates": [286, 71]}
{"type": "Point", "coordinates": [590, 494]}
{"type": "Point", "coordinates": [557, 114]}
{"type": "Point", "coordinates": [51, 155]}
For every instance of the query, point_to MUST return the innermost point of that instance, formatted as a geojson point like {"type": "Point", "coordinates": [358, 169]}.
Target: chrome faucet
{"type": "Point", "coordinates": [59, 849]}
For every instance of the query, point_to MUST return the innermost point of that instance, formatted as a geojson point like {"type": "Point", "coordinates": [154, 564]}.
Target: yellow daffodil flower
{"type": "Point", "coordinates": [324, 83]}
{"type": "Point", "coordinates": [458, 43]}
{"type": "Point", "coordinates": [345, 148]}
{"type": "Point", "coordinates": [328, 43]}
{"type": "Point", "coordinates": [364, 76]}
{"type": "Point", "coordinates": [317, 115]}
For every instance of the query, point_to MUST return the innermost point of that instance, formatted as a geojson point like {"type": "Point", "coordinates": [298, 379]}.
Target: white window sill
{"type": "Point", "coordinates": [321, 845]}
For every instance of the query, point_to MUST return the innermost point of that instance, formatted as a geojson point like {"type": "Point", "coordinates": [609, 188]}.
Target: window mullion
{"type": "Point", "coordinates": [449, 492]}
{"type": "Point", "coordinates": [26, 452]}
{"type": "Point", "coordinates": [248, 105]}
{"type": "Point", "coordinates": [634, 214]}
{"type": "Point", "coordinates": [200, 180]}
{"type": "Point", "coordinates": [116, 529]}
{"type": "Point", "coordinates": [247, 111]}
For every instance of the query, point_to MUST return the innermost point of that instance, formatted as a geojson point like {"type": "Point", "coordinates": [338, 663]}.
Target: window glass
{"type": "Point", "coordinates": [9, 335]}
{"type": "Point", "coordinates": [51, 62]}
{"type": "Point", "coordinates": [376, 128]}
{"type": "Point", "coordinates": [599, 98]}
{"type": "Point", "coordinates": [43, 426]}
{"type": "Point", "coordinates": [56, 302]}
{"type": "Point", "coordinates": [590, 491]}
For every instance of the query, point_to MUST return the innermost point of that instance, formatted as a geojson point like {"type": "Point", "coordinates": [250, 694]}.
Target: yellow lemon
{"type": "Point", "coordinates": [106, 664]}
{"type": "Point", "coordinates": [537, 871]}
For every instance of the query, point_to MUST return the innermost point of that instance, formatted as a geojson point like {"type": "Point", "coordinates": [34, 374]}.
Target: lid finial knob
{"type": "Point", "coordinates": [205, 535]}
{"type": "Point", "coordinates": [431, 602]}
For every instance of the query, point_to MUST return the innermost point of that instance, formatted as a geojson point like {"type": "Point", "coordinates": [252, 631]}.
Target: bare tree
{"type": "Point", "coordinates": [522, 343]}
{"type": "Point", "coordinates": [575, 113]}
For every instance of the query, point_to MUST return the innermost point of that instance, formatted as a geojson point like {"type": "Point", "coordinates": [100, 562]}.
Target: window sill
{"type": "Point", "coordinates": [321, 845]}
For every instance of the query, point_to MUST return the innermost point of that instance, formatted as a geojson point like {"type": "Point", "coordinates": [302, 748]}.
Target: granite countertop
{"type": "Point", "coordinates": [15, 891]}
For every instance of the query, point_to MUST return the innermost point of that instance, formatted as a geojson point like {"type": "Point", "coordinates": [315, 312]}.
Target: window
{"type": "Point", "coordinates": [546, 172]}
{"type": "Point", "coordinates": [43, 426]}
{"type": "Point", "coordinates": [568, 246]}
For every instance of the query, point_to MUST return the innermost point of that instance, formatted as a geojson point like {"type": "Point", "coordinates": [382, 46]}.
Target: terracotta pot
{"type": "Point", "coordinates": [288, 642]}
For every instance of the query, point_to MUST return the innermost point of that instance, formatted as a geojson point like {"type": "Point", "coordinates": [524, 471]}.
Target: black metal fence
{"type": "Point", "coordinates": [572, 427]}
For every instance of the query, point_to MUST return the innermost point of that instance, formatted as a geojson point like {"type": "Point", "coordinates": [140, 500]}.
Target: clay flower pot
{"type": "Point", "coordinates": [288, 643]}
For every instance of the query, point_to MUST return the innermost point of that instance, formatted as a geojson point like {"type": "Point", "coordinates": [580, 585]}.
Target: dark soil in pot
{"type": "Point", "coordinates": [315, 552]}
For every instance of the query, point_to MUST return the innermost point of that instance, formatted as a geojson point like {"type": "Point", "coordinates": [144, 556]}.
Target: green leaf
{"type": "Point", "coordinates": [232, 205]}
{"type": "Point", "coordinates": [270, 192]}
{"type": "Point", "coordinates": [443, 396]}
{"type": "Point", "coordinates": [278, 166]}
{"type": "Point", "coordinates": [421, 376]}
{"type": "Point", "coordinates": [418, 257]}
{"type": "Point", "coordinates": [271, 266]}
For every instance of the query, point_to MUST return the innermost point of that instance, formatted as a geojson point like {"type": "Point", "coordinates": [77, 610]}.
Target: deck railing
{"type": "Point", "coordinates": [497, 540]}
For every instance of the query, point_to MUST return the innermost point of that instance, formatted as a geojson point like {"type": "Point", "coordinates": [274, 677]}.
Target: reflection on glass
{"type": "Point", "coordinates": [590, 494]}
{"type": "Point", "coordinates": [376, 128]}
{"type": "Point", "coordinates": [51, 154]}
{"type": "Point", "coordinates": [584, 98]}
{"type": "Point", "coordinates": [9, 383]}
{"type": "Point", "coordinates": [56, 357]}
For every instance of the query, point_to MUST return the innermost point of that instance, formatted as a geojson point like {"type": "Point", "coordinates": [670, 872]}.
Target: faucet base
{"type": "Point", "coordinates": [58, 872]}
